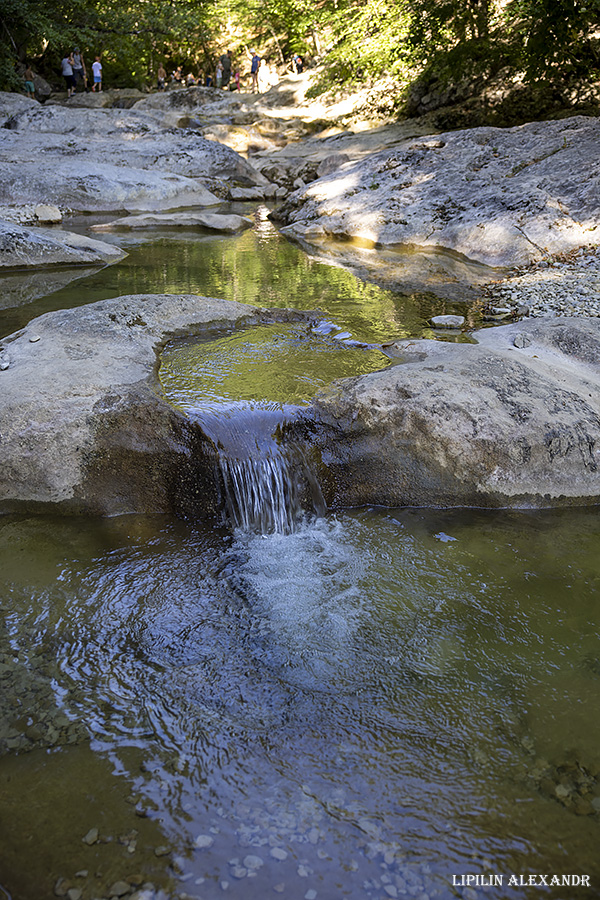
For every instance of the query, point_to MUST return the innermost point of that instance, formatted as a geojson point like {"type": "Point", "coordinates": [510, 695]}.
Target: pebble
{"type": "Point", "coordinates": [91, 837]}
{"type": "Point", "coordinates": [239, 872]}
{"type": "Point", "coordinates": [278, 853]}
{"type": "Point", "coordinates": [253, 862]}
{"type": "Point", "coordinates": [204, 841]}
{"type": "Point", "coordinates": [447, 321]}
{"type": "Point", "coordinates": [564, 285]}
{"type": "Point", "coordinates": [119, 889]}
{"type": "Point", "coordinates": [34, 338]}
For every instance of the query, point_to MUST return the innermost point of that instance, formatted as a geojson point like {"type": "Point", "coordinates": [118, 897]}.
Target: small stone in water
{"type": "Point", "coordinates": [161, 851]}
{"type": "Point", "coordinates": [203, 841]}
{"type": "Point", "coordinates": [119, 889]}
{"type": "Point", "coordinates": [278, 853]}
{"type": "Point", "coordinates": [310, 894]}
{"type": "Point", "coordinates": [91, 837]}
{"type": "Point", "coordinates": [74, 894]}
{"type": "Point", "coordinates": [448, 321]}
{"type": "Point", "coordinates": [253, 862]}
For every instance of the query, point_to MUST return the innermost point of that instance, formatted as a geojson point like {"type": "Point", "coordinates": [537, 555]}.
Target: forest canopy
{"type": "Point", "coordinates": [354, 41]}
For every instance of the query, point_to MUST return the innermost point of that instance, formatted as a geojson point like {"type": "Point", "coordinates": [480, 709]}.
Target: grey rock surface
{"type": "Point", "coordinates": [92, 160]}
{"type": "Point", "coordinates": [21, 246]}
{"type": "Point", "coordinates": [12, 104]}
{"type": "Point", "coordinates": [84, 430]}
{"type": "Point", "coordinates": [502, 197]}
{"type": "Point", "coordinates": [226, 224]}
{"type": "Point", "coordinates": [484, 424]}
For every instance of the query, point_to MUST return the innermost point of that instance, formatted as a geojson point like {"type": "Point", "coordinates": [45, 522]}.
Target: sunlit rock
{"type": "Point", "coordinates": [490, 424]}
{"type": "Point", "coordinates": [225, 224]}
{"type": "Point", "coordinates": [502, 197]}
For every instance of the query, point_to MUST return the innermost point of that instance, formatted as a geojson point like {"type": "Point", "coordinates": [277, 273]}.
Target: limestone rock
{"type": "Point", "coordinates": [88, 186]}
{"type": "Point", "coordinates": [111, 159]}
{"type": "Point", "coordinates": [13, 104]}
{"type": "Point", "coordinates": [482, 424]}
{"type": "Point", "coordinates": [83, 427]}
{"type": "Point", "coordinates": [226, 224]}
{"type": "Point", "coordinates": [48, 215]}
{"type": "Point", "coordinates": [502, 197]}
{"type": "Point", "coordinates": [448, 321]}
{"type": "Point", "coordinates": [39, 247]}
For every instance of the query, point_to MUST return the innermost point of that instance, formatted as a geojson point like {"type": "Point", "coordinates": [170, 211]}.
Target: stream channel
{"type": "Point", "coordinates": [367, 704]}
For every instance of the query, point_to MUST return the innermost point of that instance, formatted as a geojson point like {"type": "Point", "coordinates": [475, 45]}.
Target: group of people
{"type": "Point", "coordinates": [74, 72]}
{"type": "Point", "coordinates": [225, 77]}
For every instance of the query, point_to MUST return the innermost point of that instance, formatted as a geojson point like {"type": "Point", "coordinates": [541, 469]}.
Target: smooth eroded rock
{"type": "Point", "coordinates": [84, 427]}
{"type": "Point", "coordinates": [502, 197]}
{"type": "Point", "coordinates": [226, 224]}
{"type": "Point", "coordinates": [484, 424]}
{"type": "Point", "coordinates": [21, 246]}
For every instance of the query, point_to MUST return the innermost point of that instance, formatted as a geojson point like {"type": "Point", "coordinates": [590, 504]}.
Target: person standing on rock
{"type": "Point", "coordinates": [254, 67]}
{"type": "Point", "coordinates": [28, 77]}
{"type": "Point", "coordinates": [97, 70]}
{"type": "Point", "coordinates": [226, 65]}
{"type": "Point", "coordinates": [66, 66]}
{"type": "Point", "coordinates": [79, 72]}
{"type": "Point", "coordinates": [161, 77]}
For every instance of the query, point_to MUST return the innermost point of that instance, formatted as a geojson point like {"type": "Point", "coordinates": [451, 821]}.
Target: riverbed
{"type": "Point", "coordinates": [368, 704]}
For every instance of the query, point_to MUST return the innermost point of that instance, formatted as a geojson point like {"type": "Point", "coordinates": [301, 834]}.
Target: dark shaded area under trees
{"type": "Point", "coordinates": [501, 61]}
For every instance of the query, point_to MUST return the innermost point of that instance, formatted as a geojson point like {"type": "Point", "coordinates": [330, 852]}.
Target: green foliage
{"type": "Point", "coordinates": [367, 40]}
{"type": "Point", "coordinates": [357, 41]}
{"type": "Point", "coordinates": [558, 36]}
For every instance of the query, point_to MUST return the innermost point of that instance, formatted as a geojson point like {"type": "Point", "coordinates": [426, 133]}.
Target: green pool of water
{"type": "Point", "coordinates": [371, 706]}
{"type": "Point", "coordinates": [258, 267]}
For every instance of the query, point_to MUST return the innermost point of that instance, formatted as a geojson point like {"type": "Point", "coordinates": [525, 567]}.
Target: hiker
{"type": "Point", "coordinates": [226, 65]}
{"type": "Point", "coordinates": [29, 82]}
{"type": "Point", "coordinates": [161, 78]}
{"type": "Point", "coordinates": [79, 72]}
{"type": "Point", "coordinates": [97, 70]}
{"type": "Point", "coordinates": [254, 67]}
{"type": "Point", "coordinates": [66, 66]}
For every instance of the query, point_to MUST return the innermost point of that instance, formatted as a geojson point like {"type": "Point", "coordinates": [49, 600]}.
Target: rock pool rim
{"type": "Point", "coordinates": [86, 432]}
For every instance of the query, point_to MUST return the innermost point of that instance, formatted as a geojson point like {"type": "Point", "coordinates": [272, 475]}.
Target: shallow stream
{"type": "Point", "coordinates": [371, 705]}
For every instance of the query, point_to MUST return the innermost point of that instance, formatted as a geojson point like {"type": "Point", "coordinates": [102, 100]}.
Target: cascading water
{"type": "Point", "coordinates": [267, 486]}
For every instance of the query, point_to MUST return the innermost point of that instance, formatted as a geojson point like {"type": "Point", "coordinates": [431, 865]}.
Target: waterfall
{"type": "Point", "coordinates": [267, 486]}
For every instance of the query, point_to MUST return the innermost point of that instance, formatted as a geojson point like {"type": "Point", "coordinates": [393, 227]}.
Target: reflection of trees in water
{"type": "Point", "coordinates": [259, 268]}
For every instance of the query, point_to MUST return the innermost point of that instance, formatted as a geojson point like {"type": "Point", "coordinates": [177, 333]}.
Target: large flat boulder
{"type": "Point", "coordinates": [84, 430]}
{"type": "Point", "coordinates": [21, 247]}
{"type": "Point", "coordinates": [95, 160]}
{"type": "Point", "coordinates": [84, 185]}
{"type": "Point", "coordinates": [224, 224]}
{"type": "Point", "coordinates": [511, 421]}
{"type": "Point", "coordinates": [502, 197]}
